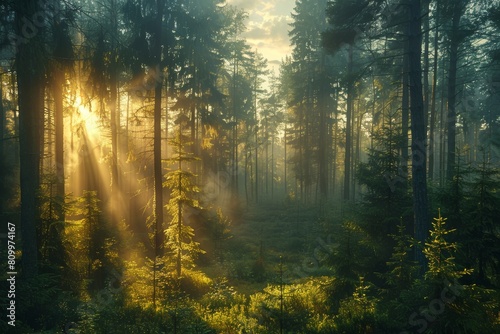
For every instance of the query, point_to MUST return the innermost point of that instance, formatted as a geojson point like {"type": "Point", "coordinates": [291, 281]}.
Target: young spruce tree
{"type": "Point", "coordinates": [183, 195]}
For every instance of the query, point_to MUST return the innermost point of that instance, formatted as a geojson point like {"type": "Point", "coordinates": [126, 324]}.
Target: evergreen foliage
{"type": "Point", "coordinates": [183, 196]}
{"type": "Point", "coordinates": [441, 253]}
{"type": "Point", "coordinates": [287, 198]}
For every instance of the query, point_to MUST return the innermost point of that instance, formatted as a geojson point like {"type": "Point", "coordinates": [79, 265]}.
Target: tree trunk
{"type": "Point", "coordinates": [335, 138]}
{"type": "Point", "coordinates": [419, 180]}
{"type": "Point", "coordinates": [179, 217]}
{"type": "Point", "coordinates": [158, 175]}
{"type": "Point", "coordinates": [256, 155]}
{"type": "Point", "coordinates": [452, 87]}
{"type": "Point", "coordinates": [30, 80]}
{"type": "Point", "coordinates": [272, 167]}
{"type": "Point", "coordinates": [113, 87]}
{"type": "Point", "coordinates": [348, 129]}
{"type": "Point", "coordinates": [114, 124]}
{"type": "Point", "coordinates": [405, 114]}
{"type": "Point", "coordinates": [432, 121]}
{"type": "Point", "coordinates": [247, 153]}
{"type": "Point", "coordinates": [323, 143]}
{"type": "Point", "coordinates": [284, 162]}
{"type": "Point", "coordinates": [426, 29]}
{"type": "Point", "coordinates": [58, 80]}
{"type": "Point", "coordinates": [234, 169]}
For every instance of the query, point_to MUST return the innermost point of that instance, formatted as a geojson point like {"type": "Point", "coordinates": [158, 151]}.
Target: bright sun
{"type": "Point", "coordinates": [90, 120]}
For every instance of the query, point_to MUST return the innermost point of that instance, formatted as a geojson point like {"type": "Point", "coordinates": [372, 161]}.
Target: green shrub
{"type": "Point", "coordinates": [231, 320]}
{"type": "Point", "coordinates": [295, 308]}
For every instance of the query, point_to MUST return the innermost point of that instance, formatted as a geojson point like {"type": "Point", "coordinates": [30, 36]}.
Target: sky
{"type": "Point", "coordinates": [267, 27]}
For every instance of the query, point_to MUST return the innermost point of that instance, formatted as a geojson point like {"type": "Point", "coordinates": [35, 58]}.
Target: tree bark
{"type": "Point", "coordinates": [348, 129]}
{"type": "Point", "coordinates": [30, 81]}
{"type": "Point", "coordinates": [323, 142]}
{"type": "Point", "coordinates": [426, 32]}
{"type": "Point", "coordinates": [158, 175]}
{"type": "Point", "coordinates": [405, 113]}
{"type": "Point", "coordinates": [419, 179]}
{"type": "Point", "coordinates": [58, 80]}
{"type": "Point", "coordinates": [432, 121]}
{"type": "Point", "coordinates": [113, 87]}
{"type": "Point", "coordinates": [452, 88]}
{"type": "Point", "coordinates": [256, 153]}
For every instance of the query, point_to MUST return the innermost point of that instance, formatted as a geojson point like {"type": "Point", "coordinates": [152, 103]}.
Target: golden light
{"type": "Point", "coordinates": [88, 118]}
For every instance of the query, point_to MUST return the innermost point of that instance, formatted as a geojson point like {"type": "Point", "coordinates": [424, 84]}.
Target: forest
{"type": "Point", "coordinates": [158, 175]}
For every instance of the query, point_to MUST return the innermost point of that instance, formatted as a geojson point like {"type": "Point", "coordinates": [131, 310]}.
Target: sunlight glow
{"type": "Point", "coordinates": [90, 119]}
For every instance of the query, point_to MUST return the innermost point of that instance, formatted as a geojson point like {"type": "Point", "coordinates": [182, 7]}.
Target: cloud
{"type": "Point", "coordinates": [244, 4]}
{"type": "Point", "coordinates": [270, 36]}
{"type": "Point", "coordinates": [268, 26]}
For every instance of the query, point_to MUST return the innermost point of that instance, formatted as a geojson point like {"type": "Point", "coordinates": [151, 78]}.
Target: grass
{"type": "Point", "coordinates": [262, 235]}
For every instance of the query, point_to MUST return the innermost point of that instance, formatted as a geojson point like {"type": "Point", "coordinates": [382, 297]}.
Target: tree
{"type": "Point", "coordinates": [183, 196]}
{"type": "Point", "coordinates": [440, 253]}
{"type": "Point", "coordinates": [157, 129]}
{"type": "Point", "coordinates": [386, 201]}
{"type": "Point", "coordinates": [480, 238]}
{"type": "Point", "coordinates": [418, 132]}
{"type": "Point", "coordinates": [30, 57]}
{"type": "Point", "coordinates": [309, 72]}
{"type": "Point", "coordinates": [401, 267]}
{"type": "Point", "coordinates": [257, 70]}
{"type": "Point", "coordinates": [456, 36]}
{"type": "Point", "coordinates": [61, 63]}
{"type": "Point", "coordinates": [347, 20]}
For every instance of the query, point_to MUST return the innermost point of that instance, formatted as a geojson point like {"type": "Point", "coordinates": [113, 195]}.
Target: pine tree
{"type": "Point", "coordinates": [84, 235]}
{"type": "Point", "coordinates": [310, 73]}
{"type": "Point", "coordinates": [440, 253]}
{"type": "Point", "coordinates": [480, 235]}
{"type": "Point", "coordinates": [183, 195]}
{"type": "Point", "coordinates": [402, 269]}
{"type": "Point", "coordinates": [386, 199]}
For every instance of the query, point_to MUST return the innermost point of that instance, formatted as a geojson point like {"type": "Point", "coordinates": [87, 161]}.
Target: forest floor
{"type": "Point", "coordinates": [271, 241]}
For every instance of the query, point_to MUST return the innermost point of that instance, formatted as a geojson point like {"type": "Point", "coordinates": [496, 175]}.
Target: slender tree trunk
{"type": "Point", "coordinates": [357, 154]}
{"type": "Point", "coordinates": [335, 138]}
{"type": "Point", "coordinates": [452, 87]}
{"type": "Point", "coordinates": [285, 161]}
{"type": "Point", "coordinates": [348, 140]}
{"type": "Point", "coordinates": [323, 143]}
{"type": "Point", "coordinates": [405, 112]}
{"type": "Point", "coordinates": [256, 155]}
{"type": "Point", "coordinates": [113, 83]}
{"type": "Point", "coordinates": [158, 175]}
{"type": "Point", "coordinates": [246, 172]}
{"type": "Point", "coordinates": [179, 217]}
{"type": "Point", "coordinates": [234, 171]}
{"type": "Point", "coordinates": [426, 23]}
{"type": "Point", "coordinates": [442, 130]}
{"type": "Point", "coordinates": [419, 179]}
{"type": "Point", "coordinates": [272, 167]}
{"type": "Point", "coordinates": [432, 120]}
{"type": "Point", "coordinates": [266, 131]}
{"type": "Point", "coordinates": [57, 86]}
